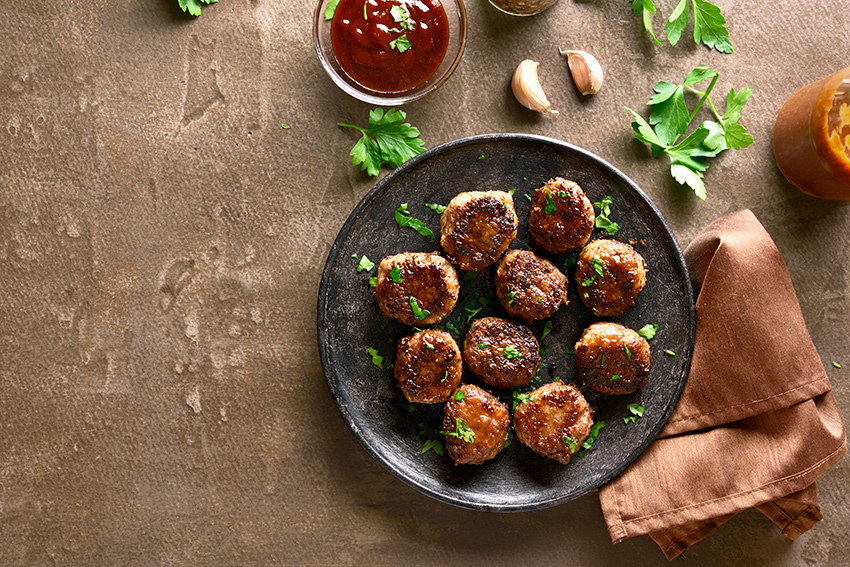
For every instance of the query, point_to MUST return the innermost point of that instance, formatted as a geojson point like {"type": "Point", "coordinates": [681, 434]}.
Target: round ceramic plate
{"type": "Point", "coordinates": [394, 431]}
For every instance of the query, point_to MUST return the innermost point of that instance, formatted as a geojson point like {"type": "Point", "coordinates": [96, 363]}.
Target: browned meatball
{"type": "Point", "coordinates": [554, 420]}
{"type": "Point", "coordinates": [528, 286]}
{"type": "Point", "coordinates": [428, 366]}
{"type": "Point", "coordinates": [476, 425]}
{"type": "Point", "coordinates": [612, 359]}
{"type": "Point", "coordinates": [501, 353]}
{"type": "Point", "coordinates": [609, 275]}
{"type": "Point", "coordinates": [416, 288]}
{"type": "Point", "coordinates": [477, 227]}
{"type": "Point", "coordinates": [561, 218]}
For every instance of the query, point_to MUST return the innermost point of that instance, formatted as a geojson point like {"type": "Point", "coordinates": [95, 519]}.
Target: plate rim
{"type": "Point", "coordinates": [324, 285]}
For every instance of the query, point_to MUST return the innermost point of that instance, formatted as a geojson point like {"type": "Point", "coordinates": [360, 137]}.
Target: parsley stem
{"type": "Point", "coordinates": [704, 97]}
{"type": "Point", "coordinates": [351, 126]}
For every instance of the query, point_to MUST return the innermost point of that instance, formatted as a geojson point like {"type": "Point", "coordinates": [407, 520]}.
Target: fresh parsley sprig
{"type": "Point", "coordinates": [194, 6]}
{"type": "Point", "coordinates": [709, 23]}
{"type": "Point", "coordinates": [388, 140]}
{"type": "Point", "coordinates": [670, 118]}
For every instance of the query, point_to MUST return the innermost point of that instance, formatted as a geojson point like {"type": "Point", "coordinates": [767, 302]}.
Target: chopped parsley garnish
{"type": "Point", "coordinates": [551, 207]}
{"type": "Point", "coordinates": [571, 443]}
{"type": "Point", "coordinates": [285, 126]}
{"type": "Point", "coordinates": [459, 396]}
{"type": "Point", "coordinates": [445, 376]}
{"type": "Point", "coordinates": [365, 264]}
{"type": "Point", "coordinates": [670, 352]}
{"type": "Point", "coordinates": [527, 196]}
{"type": "Point", "coordinates": [569, 262]}
{"type": "Point", "coordinates": [469, 276]}
{"type": "Point", "coordinates": [377, 360]}
{"type": "Point", "coordinates": [462, 431]}
{"type": "Point", "coordinates": [482, 346]}
{"type": "Point", "coordinates": [395, 274]}
{"type": "Point", "coordinates": [598, 266]}
{"type": "Point", "coordinates": [614, 377]}
{"type": "Point", "coordinates": [568, 351]}
{"type": "Point", "coordinates": [418, 312]}
{"type": "Point", "coordinates": [512, 191]}
{"type": "Point", "coordinates": [648, 331]}
{"type": "Point", "coordinates": [594, 433]}
{"type": "Point", "coordinates": [835, 364]}
{"type": "Point", "coordinates": [481, 157]}
{"type": "Point", "coordinates": [401, 16]}
{"type": "Point", "coordinates": [401, 43]}
{"type": "Point", "coordinates": [429, 346]}
{"type": "Point", "coordinates": [519, 398]}
{"type": "Point", "coordinates": [403, 218]}
{"type": "Point", "coordinates": [437, 208]}
{"type": "Point", "coordinates": [373, 282]}
{"type": "Point", "coordinates": [628, 352]}
{"type": "Point", "coordinates": [452, 328]}
{"type": "Point", "coordinates": [603, 219]}
{"type": "Point", "coordinates": [512, 352]}
{"type": "Point", "coordinates": [670, 118]}
{"type": "Point", "coordinates": [509, 296]}
{"type": "Point", "coordinates": [330, 9]}
{"type": "Point", "coordinates": [433, 444]}
{"type": "Point", "coordinates": [387, 140]}
{"type": "Point", "coordinates": [411, 408]}
{"type": "Point", "coordinates": [636, 411]}
{"type": "Point", "coordinates": [547, 328]}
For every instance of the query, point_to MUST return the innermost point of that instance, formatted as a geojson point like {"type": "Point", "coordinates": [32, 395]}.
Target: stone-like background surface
{"type": "Point", "coordinates": [162, 239]}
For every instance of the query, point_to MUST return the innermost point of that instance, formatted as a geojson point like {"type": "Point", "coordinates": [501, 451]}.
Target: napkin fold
{"type": "Point", "coordinates": [757, 422]}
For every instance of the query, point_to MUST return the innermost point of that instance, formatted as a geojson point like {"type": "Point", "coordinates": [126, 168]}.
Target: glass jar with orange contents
{"type": "Point", "coordinates": [811, 138]}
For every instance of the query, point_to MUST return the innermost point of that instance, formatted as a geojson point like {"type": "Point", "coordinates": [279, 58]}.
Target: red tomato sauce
{"type": "Point", "coordinates": [370, 41]}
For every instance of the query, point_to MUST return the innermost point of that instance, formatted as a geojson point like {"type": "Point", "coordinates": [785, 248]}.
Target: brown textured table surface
{"type": "Point", "coordinates": [162, 239]}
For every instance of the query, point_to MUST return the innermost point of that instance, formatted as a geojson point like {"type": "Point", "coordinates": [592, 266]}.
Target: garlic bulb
{"type": "Point", "coordinates": [586, 71]}
{"type": "Point", "coordinates": [527, 89]}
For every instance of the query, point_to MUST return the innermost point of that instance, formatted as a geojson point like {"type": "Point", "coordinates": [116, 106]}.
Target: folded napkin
{"type": "Point", "coordinates": [757, 422]}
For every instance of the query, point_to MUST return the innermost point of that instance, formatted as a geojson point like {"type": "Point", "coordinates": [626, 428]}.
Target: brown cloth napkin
{"type": "Point", "coordinates": [757, 422]}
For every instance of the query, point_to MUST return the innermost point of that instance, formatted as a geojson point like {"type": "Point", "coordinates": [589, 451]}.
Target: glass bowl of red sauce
{"type": "Point", "coordinates": [389, 52]}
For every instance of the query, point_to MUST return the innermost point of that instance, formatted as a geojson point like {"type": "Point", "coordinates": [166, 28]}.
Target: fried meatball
{"type": "Point", "coordinates": [554, 420]}
{"type": "Point", "coordinates": [561, 217]}
{"type": "Point", "coordinates": [428, 366]}
{"type": "Point", "coordinates": [609, 275]}
{"type": "Point", "coordinates": [426, 280]}
{"type": "Point", "coordinates": [476, 425]}
{"type": "Point", "coordinates": [477, 227]}
{"type": "Point", "coordinates": [529, 287]}
{"type": "Point", "coordinates": [501, 353]}
{"type": "Point", "coordinates": [612, 359]}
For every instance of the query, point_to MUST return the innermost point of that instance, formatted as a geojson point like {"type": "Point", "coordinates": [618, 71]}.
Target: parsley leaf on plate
{"type": "Point", "coordinates": [670, 118]}
{"type": "Point", "coordinates": [403, 218]}
{"type": "Point", "coordinates": [388, 140]}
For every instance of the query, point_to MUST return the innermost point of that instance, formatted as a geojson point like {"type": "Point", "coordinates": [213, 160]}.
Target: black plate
{"type": "Point", "coordinates": [349, 322]}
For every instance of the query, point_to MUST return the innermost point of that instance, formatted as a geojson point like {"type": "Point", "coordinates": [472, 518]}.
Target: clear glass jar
{"type": "Point", "coordinates": [522, 7]}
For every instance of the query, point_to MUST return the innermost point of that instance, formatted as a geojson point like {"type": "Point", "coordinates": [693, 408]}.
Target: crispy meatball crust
{"type": "Point", "coordinates": [427, 277]}
{"type": "Point", "coordinates": [477, 227]}
{"type": "Point", "coordinates": [554, 421]}
{"type": "Point", "coordinates": [529, 287]}
{"type": "Point", "coordinates": [484, 415]}
{"type": "Point", "coordinates": [569, 225]}
{"type": "Point", "coordinates": [487, 353]}
{"type": "Point", "coordinates": [623, 277]}
{"type": "Point", "coordinates": [612, 359]}
{"type": "Point", "coordinates": [428, 366]}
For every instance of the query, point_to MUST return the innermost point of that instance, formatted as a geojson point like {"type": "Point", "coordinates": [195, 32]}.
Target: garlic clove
{"type": "Point", "coordinates": [586, 71]}
{"type": "Point", "coordinates": [527, 90]}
